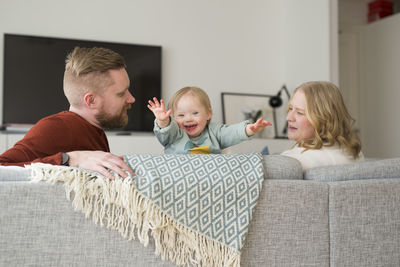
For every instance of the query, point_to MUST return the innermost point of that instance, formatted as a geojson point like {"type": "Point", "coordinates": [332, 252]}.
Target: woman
{"type": "Point", "coordinates": [322, 127]}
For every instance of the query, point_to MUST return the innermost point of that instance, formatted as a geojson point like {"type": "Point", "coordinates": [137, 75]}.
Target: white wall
{"type": "Point", "coordinates": [380, 87]}
{"type": "Point", "coordinates": [369, 63]}
{"type": "Point", "coordinates": [226, 45]}
{"type": "Point", "coordinates": [307, 41]}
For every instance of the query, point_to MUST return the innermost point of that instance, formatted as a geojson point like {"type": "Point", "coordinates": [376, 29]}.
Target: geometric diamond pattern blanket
{"type": "Point", "coordinates": [197, 208]}
{"type": "Point", "coordinates": [211, 194]}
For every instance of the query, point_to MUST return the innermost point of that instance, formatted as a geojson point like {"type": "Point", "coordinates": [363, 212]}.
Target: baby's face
{"type": "Point", "coordinates": [190, 115]}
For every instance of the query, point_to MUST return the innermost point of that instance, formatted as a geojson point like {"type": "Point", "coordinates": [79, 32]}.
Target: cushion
{"type": "Point", "coordinates": [373, 169]}
{"type": "Point", "coordinates": [14, 173]}
{"type": "Point", "coordinates": [39, 227]}
{"type": "Point", "coordinates": [364, 222]}
{"type": "Point", "coordinates": [282, 167]}
{"type": "Point", "coordinates": [290, 226]}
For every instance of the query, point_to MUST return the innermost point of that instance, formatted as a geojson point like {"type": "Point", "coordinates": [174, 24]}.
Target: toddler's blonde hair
{"type": "Point", "coordinates": [197, 92]}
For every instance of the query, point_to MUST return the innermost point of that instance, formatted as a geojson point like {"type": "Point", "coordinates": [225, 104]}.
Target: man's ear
{"type": "Point", "coordinates": [90, 100]}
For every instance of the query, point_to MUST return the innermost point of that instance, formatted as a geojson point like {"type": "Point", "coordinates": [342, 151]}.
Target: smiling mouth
{"type": "Point", "coordinates": [190, 128]}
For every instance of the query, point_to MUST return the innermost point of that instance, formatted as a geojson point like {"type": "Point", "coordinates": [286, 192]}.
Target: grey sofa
{"type": "Point", "coordinates": [345, 215]}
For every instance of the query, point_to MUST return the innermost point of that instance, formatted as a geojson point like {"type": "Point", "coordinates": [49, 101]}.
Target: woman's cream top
{"type": "Point", "coordinates": [311, 158]}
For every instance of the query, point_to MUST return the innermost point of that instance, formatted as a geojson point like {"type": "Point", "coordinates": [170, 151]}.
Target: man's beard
{"type": "Point", "coordinates": [108, 122]}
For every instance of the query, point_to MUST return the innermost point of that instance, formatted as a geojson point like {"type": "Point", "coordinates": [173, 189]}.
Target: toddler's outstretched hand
{"type": "Point", "coordinates": [158, 109]}
{"type": "Point", "coordinates": [257, 127]}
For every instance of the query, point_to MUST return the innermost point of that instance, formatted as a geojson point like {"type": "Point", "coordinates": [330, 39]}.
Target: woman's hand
{"type": "Point", "coordinates": [257, 127]}
{"type": "Point", "coordinates": [158, 109]}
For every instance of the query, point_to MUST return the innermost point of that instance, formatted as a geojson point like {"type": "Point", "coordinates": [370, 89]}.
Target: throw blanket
{"type": "Point", "coordinates": [196, 207]}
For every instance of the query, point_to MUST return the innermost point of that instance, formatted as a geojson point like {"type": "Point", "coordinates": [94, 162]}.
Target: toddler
{"type": "Point", "coordinates": [185, 127]}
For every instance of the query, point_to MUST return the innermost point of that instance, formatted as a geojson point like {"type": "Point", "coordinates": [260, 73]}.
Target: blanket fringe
{"type": "Point", "coordinates": [118, 205]}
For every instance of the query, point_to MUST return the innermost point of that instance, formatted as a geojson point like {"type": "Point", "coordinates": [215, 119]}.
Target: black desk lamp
{"type": "Point", "coordinates": [276, 102]}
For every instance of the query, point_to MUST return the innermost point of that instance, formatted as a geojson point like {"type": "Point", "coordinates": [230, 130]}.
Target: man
{"type": "Point", "coordinates": [96, 85]}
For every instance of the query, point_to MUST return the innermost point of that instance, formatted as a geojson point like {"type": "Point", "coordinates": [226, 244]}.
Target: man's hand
{"type": "Point", "coordinates": [257, 127]}
{"type": "Point", "coordinates": [158, 109]}
{"type": "Point", "coordinates": [99, 161]}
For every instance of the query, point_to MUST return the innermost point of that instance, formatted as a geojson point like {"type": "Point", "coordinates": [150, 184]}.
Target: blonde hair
{"type": "Point", "coordinates": [327, 113]}
{"type": "Point", "coordinates": [86, 69]}
{"type": "Point", "coordinates": [197, 92]}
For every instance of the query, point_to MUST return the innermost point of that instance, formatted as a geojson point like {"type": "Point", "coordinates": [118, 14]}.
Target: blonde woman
{"type": "Point", "coordinates": [186, 129]}
{"type": "Point", "coordinates": [322, 127]}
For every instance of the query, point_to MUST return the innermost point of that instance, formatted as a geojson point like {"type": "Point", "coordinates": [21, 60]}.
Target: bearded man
{"type": "Point", "coordinates": [96, 85]}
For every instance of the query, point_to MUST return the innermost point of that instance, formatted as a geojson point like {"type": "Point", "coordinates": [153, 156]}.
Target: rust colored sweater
{"type": "Point", "coordinates": [63, 132]}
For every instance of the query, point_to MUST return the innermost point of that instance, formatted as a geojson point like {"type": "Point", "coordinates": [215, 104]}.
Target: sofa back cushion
{"type": "Point", "coordinates": [370, 169]}
{"type": "Point", "coordinates": [282, 167]}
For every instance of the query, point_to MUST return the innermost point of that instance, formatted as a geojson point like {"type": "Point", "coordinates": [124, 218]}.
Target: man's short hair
{"type": "Point", "coordinates": [86, 69]}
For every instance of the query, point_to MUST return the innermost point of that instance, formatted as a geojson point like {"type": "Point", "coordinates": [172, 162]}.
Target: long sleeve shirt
{"type": "Point", "coordinates": [48, 138]}
{"type": "Point", "coordinates": [213, 139]}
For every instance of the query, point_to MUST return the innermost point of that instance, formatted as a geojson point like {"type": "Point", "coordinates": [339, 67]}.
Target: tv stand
{"type": "Point", "coordinates": [147, 143]}
{"type": "Point", "coordinates": [130, 143]}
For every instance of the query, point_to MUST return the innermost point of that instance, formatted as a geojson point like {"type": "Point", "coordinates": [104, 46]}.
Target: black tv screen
{"type": "Point", "coordinates": [34, 70]}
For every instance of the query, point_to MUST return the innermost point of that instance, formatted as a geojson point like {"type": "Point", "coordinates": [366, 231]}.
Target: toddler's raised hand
{"type": "Point", "coordinates": [158, 109]}
{"type": "Point", "coordinates": [257, 127]}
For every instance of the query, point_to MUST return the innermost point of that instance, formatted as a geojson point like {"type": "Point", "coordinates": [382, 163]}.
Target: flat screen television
{"type": "Point", "coordinates": [34, 70]}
